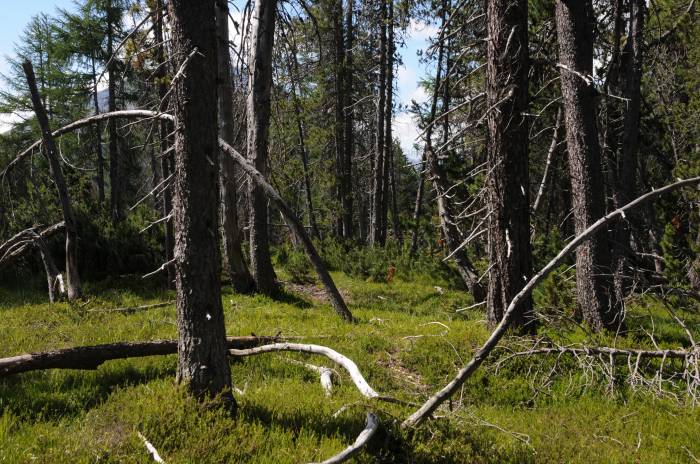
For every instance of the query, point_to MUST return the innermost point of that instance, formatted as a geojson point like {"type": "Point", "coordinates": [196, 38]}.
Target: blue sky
{"type": "Point", "coordinates": [16, 16]}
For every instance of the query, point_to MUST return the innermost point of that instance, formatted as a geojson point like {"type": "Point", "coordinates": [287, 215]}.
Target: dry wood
{"type": "Point", "coordinates": [91, 357]}
{"type": "Point", "coordinates": [446, 392]}
{"type": "Point", "coordinates": [367, 433]}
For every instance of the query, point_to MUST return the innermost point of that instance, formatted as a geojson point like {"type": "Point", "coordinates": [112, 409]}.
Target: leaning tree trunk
{"type": "Point", "coordinates": [375, 222]}
{"type": "Point", "coordinates": [263, 36]}
{"type": "Point", "coordinates": [202, 363]}
{"type": "Point", "coordinates": [72, 277]}
{"type": "Point", "coordinates": [417, 207]}
{"type": "Point", "coordinates": [236, 265]}
{"type": "Point", "coordinates": [510, 255]}
{"type": "Point", "coordinates": [167, 161]}
{"type": "Point", "coordinates": [594, 288]}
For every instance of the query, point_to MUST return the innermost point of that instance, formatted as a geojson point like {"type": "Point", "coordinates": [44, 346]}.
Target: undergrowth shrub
{"type": "Point", "coordinates": [296, 264]}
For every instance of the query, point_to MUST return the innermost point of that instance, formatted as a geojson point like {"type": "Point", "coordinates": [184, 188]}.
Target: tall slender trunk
{"type": "Point", "coordinates": [339, 122]}
{"type": "Point", "coordinates": [626, 186]}
{"type": "Point", "coordinates": [348, 133]}
{"type": "Point", "coordinates": [594, 289]}
{"type": "Point", "coordinates": [167, 160]}
{"type": "Point", "coordinates": [202, 358]}
{"type": "Point", "coordinates": [389, 191]}
{"type": "Point", "coordinates": [375, 226]}
{"type": "Point", "coordinates": [263, 36]}
{"type": "Point", "coordinates": [510, 255]}
{"type": "Point", "coordinates": [293, 69]}
{"type": "Point", "coordinates": [71, 226]}
{"type": "Point", "coordinates": [114, 176]}
{"type": "Point", "coordinates": [98, 143]}
{"type": "Point", "coordinates": [235, 263]}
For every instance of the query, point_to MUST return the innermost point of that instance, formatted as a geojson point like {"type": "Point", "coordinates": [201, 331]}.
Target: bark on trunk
{"type": "Point", "coordinates": [375, 226]}
{"type": "Point", "coordinates": [73, 288]}
{"type": "Point", "coordinates": [510, 256]}
{"type": "Point", "coordinates": [202, 362]}
{"type": "Point", "coordinates": [236, 266]}
{"type": "Point", "coordinates": [263, 36]}
{"type": "Point", "coordinates": [594, 289]}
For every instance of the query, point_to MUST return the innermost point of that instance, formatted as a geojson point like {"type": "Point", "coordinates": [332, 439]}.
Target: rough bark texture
{"type": "Point", "coordinates": [235, 263]}
{"type": "Point", "coordinates": [594, 289]}
{"type": "Point", "coordinates": [167, 160]}
{"type": "Point", "coordinates": [375, 222]}
{"type": "Point", "coordinates": [260, 63]}
{"type": "Point", "coordinates": [202, 363]}
{"type": "Point", "coordinates": [73, 288]}
{"type": "Point", "coordinates": [510, 256]}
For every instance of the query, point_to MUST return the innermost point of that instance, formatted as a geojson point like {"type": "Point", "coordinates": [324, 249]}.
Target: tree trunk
{"type": "Point", "coordinates": [72, 277]}
{"type": "Point", "coordinates": [348, 135]}
{"type": "Point", "coordinates": [114, 177]}
{"type": "Point", "coordinates": [262, 40]}
{"type": "Point", "coordinates": [202, 362]}
{"type": "Point", "coordinates": [53, 277]}
{"type": "Point", "coordinates": [626, 185]}
{"type": "Point", "coordinates": [98, 143]}
{"type": "Point", "coordinates": [594, 289]}
{"type": "Point", "coordinates": [339, 123]}
{"type": "Point", "coordinates": [510, 256]}
{"type": "Point", "coordinates": [236, 265]}
{"type": "Point", "coordinates": [389, 191]}
{"type": "Point", "coordinates": [167, 160]}
{"type": "Point", "coordinates": [375, 222]}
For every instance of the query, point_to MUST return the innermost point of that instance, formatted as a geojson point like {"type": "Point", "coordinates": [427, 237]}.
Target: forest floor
{"type": "Point", "coordinates": [410, 340]}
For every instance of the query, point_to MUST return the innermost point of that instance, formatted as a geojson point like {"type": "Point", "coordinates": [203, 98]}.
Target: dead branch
{"type": "Point", "coordinates": [152, 451]}
{"type": "Point", "coordinates": [371, 426]}
{"type": "Point", "coordinates": [445, 393]}
{"type": "Point", "coordinates": [345, 362]}
{"type": "Point", "coordinates": [91, 357]}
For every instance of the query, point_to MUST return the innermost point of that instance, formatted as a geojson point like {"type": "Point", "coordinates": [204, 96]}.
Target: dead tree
{"type": "Point", "coordinates": [510, 314]}
{"type": "Point", "coordinates": [594, 287]}
{"type": "Point", "coordinates": [259, 97]}
{"type": "Point", "coordinates": [167, 161]}
{"type": "Point", "coordinates": [73, 288]}
{"type": "Point", "coordinates": [448, 225]}
{"type": "Point", "coordinates": [202, 363]}
{"type": "Point", "coordinates": [236, 265]}
{"type": "Point", "coordinates": [510, 255]}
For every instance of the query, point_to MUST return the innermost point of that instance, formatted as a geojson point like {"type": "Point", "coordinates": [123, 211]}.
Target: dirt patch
{"type": "Point", "coordinates": [313, 292]}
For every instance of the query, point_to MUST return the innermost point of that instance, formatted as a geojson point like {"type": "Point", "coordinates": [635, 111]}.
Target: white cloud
{"type": "Point", "coordinates": [405, 129]}
{"type": "Point", "coordinates": [420, 30]}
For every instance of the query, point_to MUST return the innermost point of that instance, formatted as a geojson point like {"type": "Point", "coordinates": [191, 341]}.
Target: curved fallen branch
{"type": "Point", "coordinates": [446, 392]}
{"type": "Point", "coordinates": [345, 362]}
{"type": "Point", "coordinates": [131, 309]}
{"type": "Point", "coordinates": [333, 294]}
{"type": "Point", "coordinates": [91, 357]}
{"type": "Point", "coordinates": [371, 426]}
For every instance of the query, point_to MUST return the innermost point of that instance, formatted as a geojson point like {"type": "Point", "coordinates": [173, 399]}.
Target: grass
{"type": "Point", "coordinates": [409, 341]}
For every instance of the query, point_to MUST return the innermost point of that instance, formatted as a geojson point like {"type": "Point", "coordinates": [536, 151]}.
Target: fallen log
{"type": "Point", "coordinates": [16, 246]}
{"type": "Point", "coordinates": [131, 309]}
{"type": "Point", "coordinates": [91, 357]}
